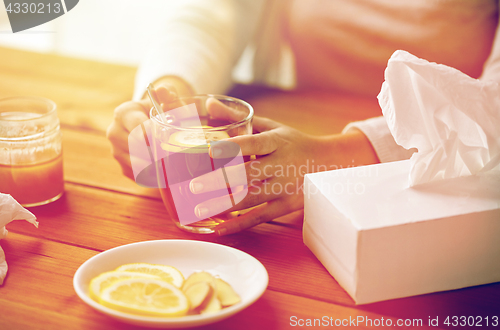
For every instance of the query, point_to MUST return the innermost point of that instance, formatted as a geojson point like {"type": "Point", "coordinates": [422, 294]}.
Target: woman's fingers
{"type": "Point", "coordinates": [221, 178]}
{"type": "Point", "coordinates": [260, 214]}
{"type": "Point", "coordinates": [243, 199]}
{"type": "Point", "coordinates": [219, 110]}
{"type": "Point", "coordinates": [257, 192]}
{"type": "Point", "coordinates": [254, 217]}
{"type": "Point", "coordinates": [130, 127]}
{"type": "Point", "coordinates": [169, 99]}
{"type": "Point", "coordinates": [165, 94]}
{"type": "Point", "coordinates": [127, 116]}
{"type": "Point", "coordinates": [130, 115]}
{"type": "Point", "coordinates": [127, 136]}
{"type": "Point", "coordinates": [258, 144]}
{"type": "Point", "coordinates": [264, 191]}
{"type": "Point", "coordinates": [133, 141]}
{"type": "Point", "coordinates": [237, 175]}
{"type": "Point", "coordinates": [117, 135]}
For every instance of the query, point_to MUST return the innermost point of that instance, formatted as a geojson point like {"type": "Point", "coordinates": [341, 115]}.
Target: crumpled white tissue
{"type": "Point", "coordinates": [10, 210]}
{"type": "Point", "coordinates": [452, 119]}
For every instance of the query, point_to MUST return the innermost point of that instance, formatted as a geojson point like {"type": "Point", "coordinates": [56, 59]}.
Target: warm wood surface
{"type": "Point", "coordinates": [101, 209]}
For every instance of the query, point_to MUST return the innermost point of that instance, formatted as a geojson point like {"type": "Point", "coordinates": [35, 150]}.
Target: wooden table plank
{"type": "Point", "coordinates": [87, 160]}
{"type": "Point", "coordinates": [86, 92]}
{"type": "Point", "coordinates": [48, 296]}
{"type": "Point", "coordinates": [314, 112]}
{"type": "Point", "coordinates": [109, 219]}
{"type": "Point", "coordinates": [274, 310]}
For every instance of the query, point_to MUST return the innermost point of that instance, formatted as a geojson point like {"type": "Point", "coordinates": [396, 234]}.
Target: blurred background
{"type": "Point", "coordinates": [116, 31]}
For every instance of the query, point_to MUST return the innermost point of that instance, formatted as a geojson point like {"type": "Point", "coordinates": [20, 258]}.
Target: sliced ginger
{"type": "Point", "coordinates": [198, 293]}
{"type": "Point", "coordinates": [213, 305]}
{"type": "Point", "coordinates": [199, 277]}
{"type": "Point", "coordinates": [226, 294]}
{"type": "Point", "coordinates": [222, 294]}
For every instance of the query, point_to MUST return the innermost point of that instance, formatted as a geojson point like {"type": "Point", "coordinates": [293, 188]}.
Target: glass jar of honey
{"type": "Point", "coordinates": [31, 168]}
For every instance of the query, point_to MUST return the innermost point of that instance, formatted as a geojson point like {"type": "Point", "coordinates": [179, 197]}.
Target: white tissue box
{"type": "Point", "coordinates": [382, 240]}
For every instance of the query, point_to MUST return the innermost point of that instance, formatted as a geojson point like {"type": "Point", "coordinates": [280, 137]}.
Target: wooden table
{"type": "Point", "coordinates": [101, 209]}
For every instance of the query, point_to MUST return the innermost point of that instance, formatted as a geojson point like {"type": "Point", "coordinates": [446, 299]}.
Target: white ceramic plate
{"type": "Point", "coordinates": [245, 274]}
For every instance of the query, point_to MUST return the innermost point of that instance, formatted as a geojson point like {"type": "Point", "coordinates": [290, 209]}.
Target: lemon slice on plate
{"type": "Point", "coordinates": [167, 273]}
{"type": "Point", "coordinates": [145, 296]}
{"type": "Point", "coordinates": [104, 280]}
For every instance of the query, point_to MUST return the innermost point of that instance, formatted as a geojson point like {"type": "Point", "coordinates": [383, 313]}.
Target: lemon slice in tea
{"type": "Point", "coordinates": [144, 296]}
{"type": "Point", "coordinates": [167, 273]}
{"type": "Point", "coordinates": [192, 141]}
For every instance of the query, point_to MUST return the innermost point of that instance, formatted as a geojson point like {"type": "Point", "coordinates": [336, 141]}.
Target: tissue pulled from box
{"type": "Point", "coordinates": [453, 120]}
{"type": "Point", "coordinates": [11, 210]}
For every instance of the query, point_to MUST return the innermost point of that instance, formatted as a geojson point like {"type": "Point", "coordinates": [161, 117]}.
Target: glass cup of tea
{"type": "Point", "coordinates": [183, 133]}
{"type": "Point", "coordinates": [31, 167]}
